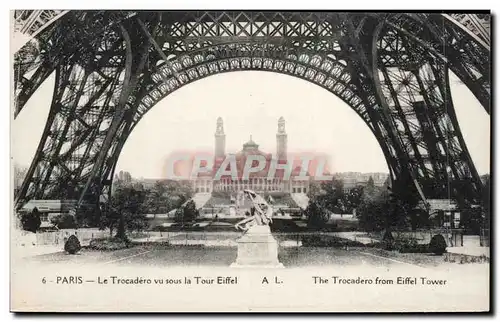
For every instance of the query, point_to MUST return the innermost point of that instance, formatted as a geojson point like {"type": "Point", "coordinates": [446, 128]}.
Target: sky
{"type": "Point", "coordinates": [250, 103]}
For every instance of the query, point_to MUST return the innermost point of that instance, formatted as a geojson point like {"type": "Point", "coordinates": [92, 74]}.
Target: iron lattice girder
{"type": "Point", "coordinates": [467, 56]}
{"type": "Point", "coordinates": [318, 31]}
{"type": "Point", "coordinates": [477, 24]}
{"type": "Point", "coordinates": [208, 24]}
{"type": "Point", "coordinates": [332, 50]}
{"type": "Point", "coordinates": [416, 88]}
{"type": "Point", "coordinates": [32, 22]}
{"type": "Point", "coordinates": [77, 124]}
{"type": "Point", "coordinates": [77, 37]}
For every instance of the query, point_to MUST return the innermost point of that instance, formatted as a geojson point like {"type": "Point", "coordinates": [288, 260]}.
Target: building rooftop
{"type": "Point", "coordinates": [250, 145]}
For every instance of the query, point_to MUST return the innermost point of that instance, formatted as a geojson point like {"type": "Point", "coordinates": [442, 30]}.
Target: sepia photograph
{"type": "Point", "coordinates": [250, 161]}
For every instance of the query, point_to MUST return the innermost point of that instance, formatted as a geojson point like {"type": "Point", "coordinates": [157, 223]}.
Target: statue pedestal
{"type": "Point", "coordinates": [257, 248]}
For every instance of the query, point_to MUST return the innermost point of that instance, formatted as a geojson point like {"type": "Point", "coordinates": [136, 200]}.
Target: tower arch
{"type": "Point", "coordinates": [106, 83]}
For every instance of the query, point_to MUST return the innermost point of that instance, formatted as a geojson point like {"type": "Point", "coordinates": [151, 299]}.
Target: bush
{"type": "Point", "coordinates": [388, 241]}
{"type": "Point", "coordinates": [64, 221]}
{"type": "Point", "coordinates": [410, 245]}
{"type": "Point", "coordinates": [31, 220]}
{"type": "Point", "coordinates": [104, 244]}
{"type": "Point", "coordinates": [317, 217]}
{"type": "Point", "coordinates": [405, 245]}
{"type": "Point", "coordinates": [72, 245]}
{"type": "Point", "coordinates": [326, 240]}
{"type": "Point", "coordinates": [465, 259]}
{"type": "Point", "coordinates": [437, 245]}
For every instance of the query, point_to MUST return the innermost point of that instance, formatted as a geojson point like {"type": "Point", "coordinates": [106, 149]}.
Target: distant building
{"type": "Point", "coordinates": [352, 180]}
{"type": "Point", "coordinates": [259, 181]}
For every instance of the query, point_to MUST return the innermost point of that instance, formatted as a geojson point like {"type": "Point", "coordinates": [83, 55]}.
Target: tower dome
{"type": "Point", "coordinates": [250, 145]}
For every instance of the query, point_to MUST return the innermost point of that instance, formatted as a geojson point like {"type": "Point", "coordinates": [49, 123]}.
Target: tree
{"type": "Point", "coordinates": [403, 201]}
{"type": "Point", "coordinates": [31, 221]}
{"type": "Point", "coordinates": [187, 213]}
{"type": "Point", "coordinates": [315, 190]}
{"type": "Point", "coordinates": [126, 211]}
{"type": "Point", "coordinates": [338, 187]}
{"type": "Point", "coordinates": [329, 195]}
{"type": "Point", "coordinates": [353, 198]}
{"type": "Point", "coordinates": [372, 211]}
{"type": "Point", "coordinates": [179, 192]}
{"type": "Point", "coordinates": [384, 208]}
{"type": "Point", "coordinates": [370, 183]}
{"type": "Point", "coordinates": [136, 221]}
{"type": "Point", "coordinates": [338, 202]}
{"type": "Point", "coordinates": [167, 195]}
{"type": "Point", "coordinates": [89, 214]}
{"type": "Point", "coordinates": [179, 215]}
{"type": "Point", "coordinates": [370, 186]}
{"type": "Point", "coordinates": [158, 200]}
{"type": "Point", "coordinates": [317, 217]}
{"type": "Point", "coordinates": [109, 219]}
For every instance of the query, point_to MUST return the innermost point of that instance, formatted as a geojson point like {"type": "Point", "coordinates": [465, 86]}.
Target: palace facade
{"type": "Point", "coordinates": [258, 181]}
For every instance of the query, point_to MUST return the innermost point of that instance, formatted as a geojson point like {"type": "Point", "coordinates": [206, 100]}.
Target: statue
{"type": "Point", "coordinates": [262, 212]}
{"type": "Point", "coordinates": [257, 247]}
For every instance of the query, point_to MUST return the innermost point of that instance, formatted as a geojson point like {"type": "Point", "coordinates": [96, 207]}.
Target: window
{"type": "Point", "coordinates": [44, 217]}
